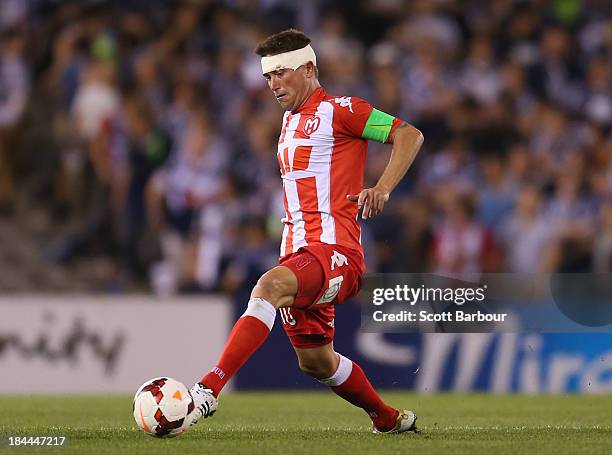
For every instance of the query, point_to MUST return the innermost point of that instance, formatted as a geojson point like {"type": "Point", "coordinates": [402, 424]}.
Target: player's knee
{"type": "Point", "coordinates": [272, 289]}
{"type": "Point", "coordinates": [277, 287]}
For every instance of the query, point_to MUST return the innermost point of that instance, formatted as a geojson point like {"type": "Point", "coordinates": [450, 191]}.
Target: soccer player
{"type": "Point", "coordinates": [321, 152]}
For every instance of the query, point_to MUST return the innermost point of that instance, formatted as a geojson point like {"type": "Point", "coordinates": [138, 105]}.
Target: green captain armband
{"type": "Point", "coordinates": [378, 126]}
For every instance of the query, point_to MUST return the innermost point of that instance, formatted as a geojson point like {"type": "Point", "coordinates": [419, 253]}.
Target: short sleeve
{"type": "Point", "coordinates": [358, 118]}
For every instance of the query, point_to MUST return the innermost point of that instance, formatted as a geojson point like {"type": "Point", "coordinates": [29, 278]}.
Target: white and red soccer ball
{"type": "Point", "coordinates": [161, 406]}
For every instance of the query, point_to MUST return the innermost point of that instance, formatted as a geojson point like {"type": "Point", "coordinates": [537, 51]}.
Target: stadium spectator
{"type": "Point", "coordinates": [526, 235]}
{"type": "Point", "coordinates": [146, 147]}
{"type": "Point", "coordinates": [185, 207]}
{"type": "Point", "coordinates": [14, 92]}
{"type": "Point", "coordinates": [496, 195]}
{"type": "Point", "coordinates": [461, 246]}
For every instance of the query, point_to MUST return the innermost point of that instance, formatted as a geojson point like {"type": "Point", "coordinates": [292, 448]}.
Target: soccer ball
{"type": "Point", "coordinates": [161, 406]}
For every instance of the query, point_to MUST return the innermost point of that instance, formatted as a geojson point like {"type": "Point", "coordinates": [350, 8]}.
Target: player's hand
{"type": "Point", "coordinates": [371, 200]}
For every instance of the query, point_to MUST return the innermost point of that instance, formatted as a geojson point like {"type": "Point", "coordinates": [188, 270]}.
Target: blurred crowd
{"type": "Point", "coordinates": [143, 134]}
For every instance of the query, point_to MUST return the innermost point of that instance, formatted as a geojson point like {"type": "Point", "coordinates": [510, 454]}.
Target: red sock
{"type": "Point", "coordinates": [248, 334]}
{"type": "Point", "coordinates": [357, 390]}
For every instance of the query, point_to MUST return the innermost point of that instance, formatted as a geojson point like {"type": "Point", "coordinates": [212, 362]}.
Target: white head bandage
{"type": "Point", "coordinates": [291, 59]}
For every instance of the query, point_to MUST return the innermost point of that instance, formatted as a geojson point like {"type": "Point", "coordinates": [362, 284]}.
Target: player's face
{"type": "Point", "coordinates": [289, 87]}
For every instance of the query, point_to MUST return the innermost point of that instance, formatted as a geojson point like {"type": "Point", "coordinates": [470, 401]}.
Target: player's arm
{"type": "Point", "coordinates": [407, 141]}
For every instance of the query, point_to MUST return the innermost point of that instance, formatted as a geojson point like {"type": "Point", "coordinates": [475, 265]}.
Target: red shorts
{"type": "Point", "coordinates": [327, 275]}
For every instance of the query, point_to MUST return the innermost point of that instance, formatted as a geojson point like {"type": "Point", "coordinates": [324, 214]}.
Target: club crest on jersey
{"type": "Point", "coordinates": [311, 125]}
{"type": "Point", "coordinates": [344, 101]}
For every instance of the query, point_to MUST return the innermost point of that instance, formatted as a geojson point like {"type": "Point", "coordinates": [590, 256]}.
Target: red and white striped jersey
{"type": "Point", "coordinates": [321, 152]}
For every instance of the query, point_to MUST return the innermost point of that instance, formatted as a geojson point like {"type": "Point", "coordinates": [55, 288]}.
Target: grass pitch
{"type": "Point", "coordinates": [321, 423]}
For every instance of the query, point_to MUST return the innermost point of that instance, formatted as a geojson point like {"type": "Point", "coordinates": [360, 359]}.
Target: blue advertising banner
{"type": "Point", "coordinates": [488, 362]}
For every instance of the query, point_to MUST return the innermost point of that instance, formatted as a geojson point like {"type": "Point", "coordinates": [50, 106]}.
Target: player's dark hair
{"type": "Point", "coordinates": [285, 41]}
